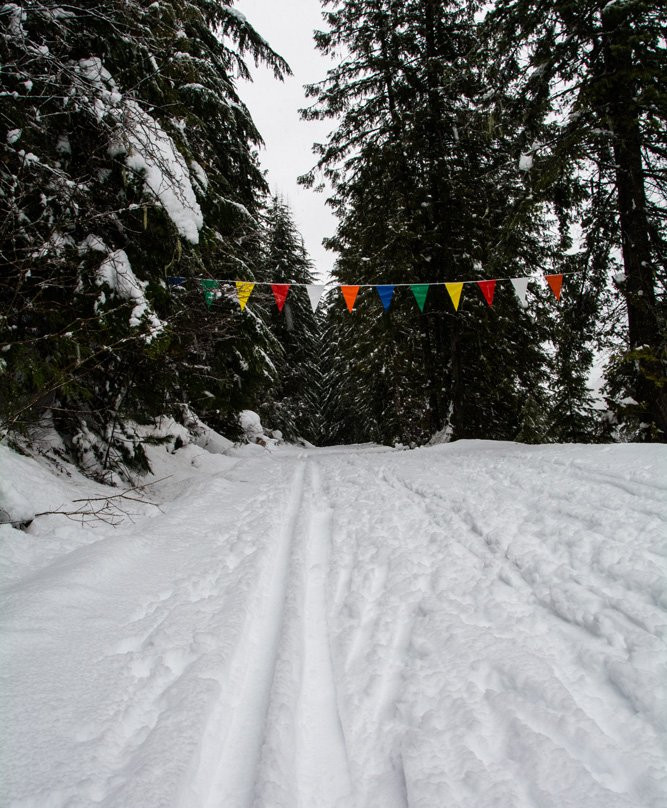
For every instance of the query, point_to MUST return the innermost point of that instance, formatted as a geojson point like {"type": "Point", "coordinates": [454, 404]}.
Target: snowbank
{"type": "Point", "coordinates": [14, 507]}
{"type": "Point", "coordinates": [116, 273]}
{"type": "Point", "coordinates": [254, 432]}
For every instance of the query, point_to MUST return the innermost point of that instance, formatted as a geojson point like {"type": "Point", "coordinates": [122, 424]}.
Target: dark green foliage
{"type": "Point", "coordinates": [293, 403]}
{"type": "Point", "coordinates": [424, 185]}
{"type": "Point", "coordinates": [377, 381]}
{"type": "Point", "coordinates": [94, 99]}
{"type": "Point", "coordinates": [530, 141]}
{"type": "Point", "coordinates": [588, 82]}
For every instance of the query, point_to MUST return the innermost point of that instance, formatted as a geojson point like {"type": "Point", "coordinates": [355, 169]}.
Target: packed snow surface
{"type": "Point", "coordinates": [463, 626]}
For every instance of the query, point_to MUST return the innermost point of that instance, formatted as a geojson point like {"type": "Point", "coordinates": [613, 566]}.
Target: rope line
{"type": "Point", "coordinates": [334, 284]}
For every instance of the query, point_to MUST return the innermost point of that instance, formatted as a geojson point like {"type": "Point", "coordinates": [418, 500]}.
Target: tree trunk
{"type": "Point", "coordinates": [623, 117]}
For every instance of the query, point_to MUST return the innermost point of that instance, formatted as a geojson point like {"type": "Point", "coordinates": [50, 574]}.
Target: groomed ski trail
{"type": "Point", "coordinates": [304, 758]}
{"type": "Point", "coordinates": [232, 744]}
{"type": "Point", "coordinates": [280, 732]}
{"type": "Point", "coordinates": [472, 626]}
{"type": "Point", "coordinates": [323, 775]}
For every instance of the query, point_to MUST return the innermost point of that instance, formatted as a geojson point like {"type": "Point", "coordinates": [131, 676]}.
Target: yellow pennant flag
{"type": "Point", "coordinates": [243, 290]}
{"type": "Point", "coordinates": [454, 290]}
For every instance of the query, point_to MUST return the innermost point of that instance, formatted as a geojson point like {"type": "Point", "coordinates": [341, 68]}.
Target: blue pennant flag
{"type": "Point", "coordinates": [176, 280]}
{"type": "Point", "coordinates": [386, 292]}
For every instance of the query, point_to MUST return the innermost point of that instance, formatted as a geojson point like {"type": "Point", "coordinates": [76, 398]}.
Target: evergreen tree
{"type": "Point", "coordinates": [128, 158]}
{"type": "Point", "coordinates": [422, 186]}
{"type": "Point", "coordinates": [587, 81]}
{"type": "Point", "coordinates": [293, 404]}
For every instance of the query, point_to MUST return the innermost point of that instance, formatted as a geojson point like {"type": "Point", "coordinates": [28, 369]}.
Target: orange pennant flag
{"type": "Point", "coordinates": [455, 290]}
{"type": "Point", "coordinates": [350, 295]}
{"type": "Point", "coordinates": [555, 282]}
{"type": "Point", "coordinates": [280, 291]}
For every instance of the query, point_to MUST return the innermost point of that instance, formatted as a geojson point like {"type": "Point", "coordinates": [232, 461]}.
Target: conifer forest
{"type": "Point", "coordinates": [469, 142]}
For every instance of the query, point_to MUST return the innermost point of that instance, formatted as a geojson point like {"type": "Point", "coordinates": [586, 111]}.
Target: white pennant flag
{"type": "Point", "coordinates": [521, 288]}
{"type": "Point", "coordinates": [315, 291]}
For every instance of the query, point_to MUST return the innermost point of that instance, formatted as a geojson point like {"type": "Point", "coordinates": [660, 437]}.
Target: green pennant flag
{"type": "Point", "coordinates": [420, 290]}
{"type": "Point", "coordinates": [209, 288]}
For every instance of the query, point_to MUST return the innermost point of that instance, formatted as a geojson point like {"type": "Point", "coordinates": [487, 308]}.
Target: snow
{"type": "Point", "coordinates": [28, 157]}
{"type": "Point", "coordinates": [14, 506]}
{"type": "Point", "coordinates": [63, 146]}
{"type": "Point", "coordinates": [199, 175]}
{"type": "Point", "coordinates": [106, 96]}
{"type": "Point", "coordinates": [253, 430]}
{"type": "Point", "coordinates": [154, 154]}
{"type": "Point", "coordinates": [94, 243]}
{"type": "Point", "coordinates": [55, 244]}
{"type": "Point", "coordinates": [116, 272]}
{"type": "Point", "coordinates": [147, 149]}
{"type": "Point", "coordinates": [239, 207]}
{"type": "Point", "coordinates": [466, 625]}
{"type": "Point", "coordinates": [17, 16]}
{"type": "Point", "coordinates": [94, 71]}
{"type": "Point", "coordinates": [525, 162]}
{"type": "Point", "coordinates": [250, 424]}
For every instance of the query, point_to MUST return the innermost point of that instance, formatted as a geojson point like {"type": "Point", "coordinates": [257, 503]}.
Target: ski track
{"type": "Point", "coordinates": [323, 776]}
{"type": "Point", "coordinates": [481, 626]}
{"type": "Point", "coordinates": [281, 742]}
{"type": "Point", "coordinates": [478, 556]}
{"type": "Point", "coordinates": [232, 744]}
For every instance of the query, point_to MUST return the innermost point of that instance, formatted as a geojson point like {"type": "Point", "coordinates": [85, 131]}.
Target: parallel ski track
{"type": "Point", "coordinates": [322, 767]}
{"type": "Point", "coordinates": [242, 762]}
{"type": "Point", "coordinates": [232, 749]}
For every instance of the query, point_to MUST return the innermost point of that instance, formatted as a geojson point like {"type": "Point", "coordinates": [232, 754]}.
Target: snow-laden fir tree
{"type": "Point", "coordinates": [128, 159]}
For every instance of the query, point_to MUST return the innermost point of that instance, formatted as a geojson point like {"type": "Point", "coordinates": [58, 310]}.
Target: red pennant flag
{"type": "Point", "coordinates": [350, 295]}
{"type": "Point", "coordinates": [488, 288]}
{"type": "Point", "coordinates": [280, 291]}
{"type": "Point", "coordinates": [555, 282]}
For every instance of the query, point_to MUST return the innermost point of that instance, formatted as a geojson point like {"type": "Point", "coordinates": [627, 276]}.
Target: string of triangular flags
{"type": "Point", "coordinates": [211, 289]}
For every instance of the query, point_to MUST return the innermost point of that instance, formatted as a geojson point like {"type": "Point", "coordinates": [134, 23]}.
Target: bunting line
{"type": "Point", "coordinates": [521, 289]}
{"type": "Point", "coordinates": [315, 292]}
{"type": "Point", "coordinates": [211, 288]}
{"type": "Point", "coordinates": [386, 292]}
{"type": "Point", "coordinates": [555, 282]}
{"type": "Point", "coordinates": [172, 281]}
{"type": "Point", "coordinates": [280, 292]}
{"type": "Point", "coordinates": [454, 290]}
{"type": "Point", "coordinates": [420, 291]}
{"type": "Point", "coordinates": [488, 288]}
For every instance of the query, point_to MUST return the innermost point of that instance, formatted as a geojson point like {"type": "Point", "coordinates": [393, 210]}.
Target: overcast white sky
{"type": "Point", "coordinates": [287, 25]}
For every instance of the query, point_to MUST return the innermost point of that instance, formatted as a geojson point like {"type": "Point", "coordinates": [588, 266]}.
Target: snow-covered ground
{"type": "Point", "coordinates": [463, 626]}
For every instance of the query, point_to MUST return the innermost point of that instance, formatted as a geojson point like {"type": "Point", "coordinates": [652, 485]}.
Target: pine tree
{"type": "Point", "coordinates": [422, 185]}
{"type": "Point", "coordinates": [587, 81]}
{"type": "Point", "coordinates": [128, 158]}
{"type": "Point", "coordinates": [293, 404]}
